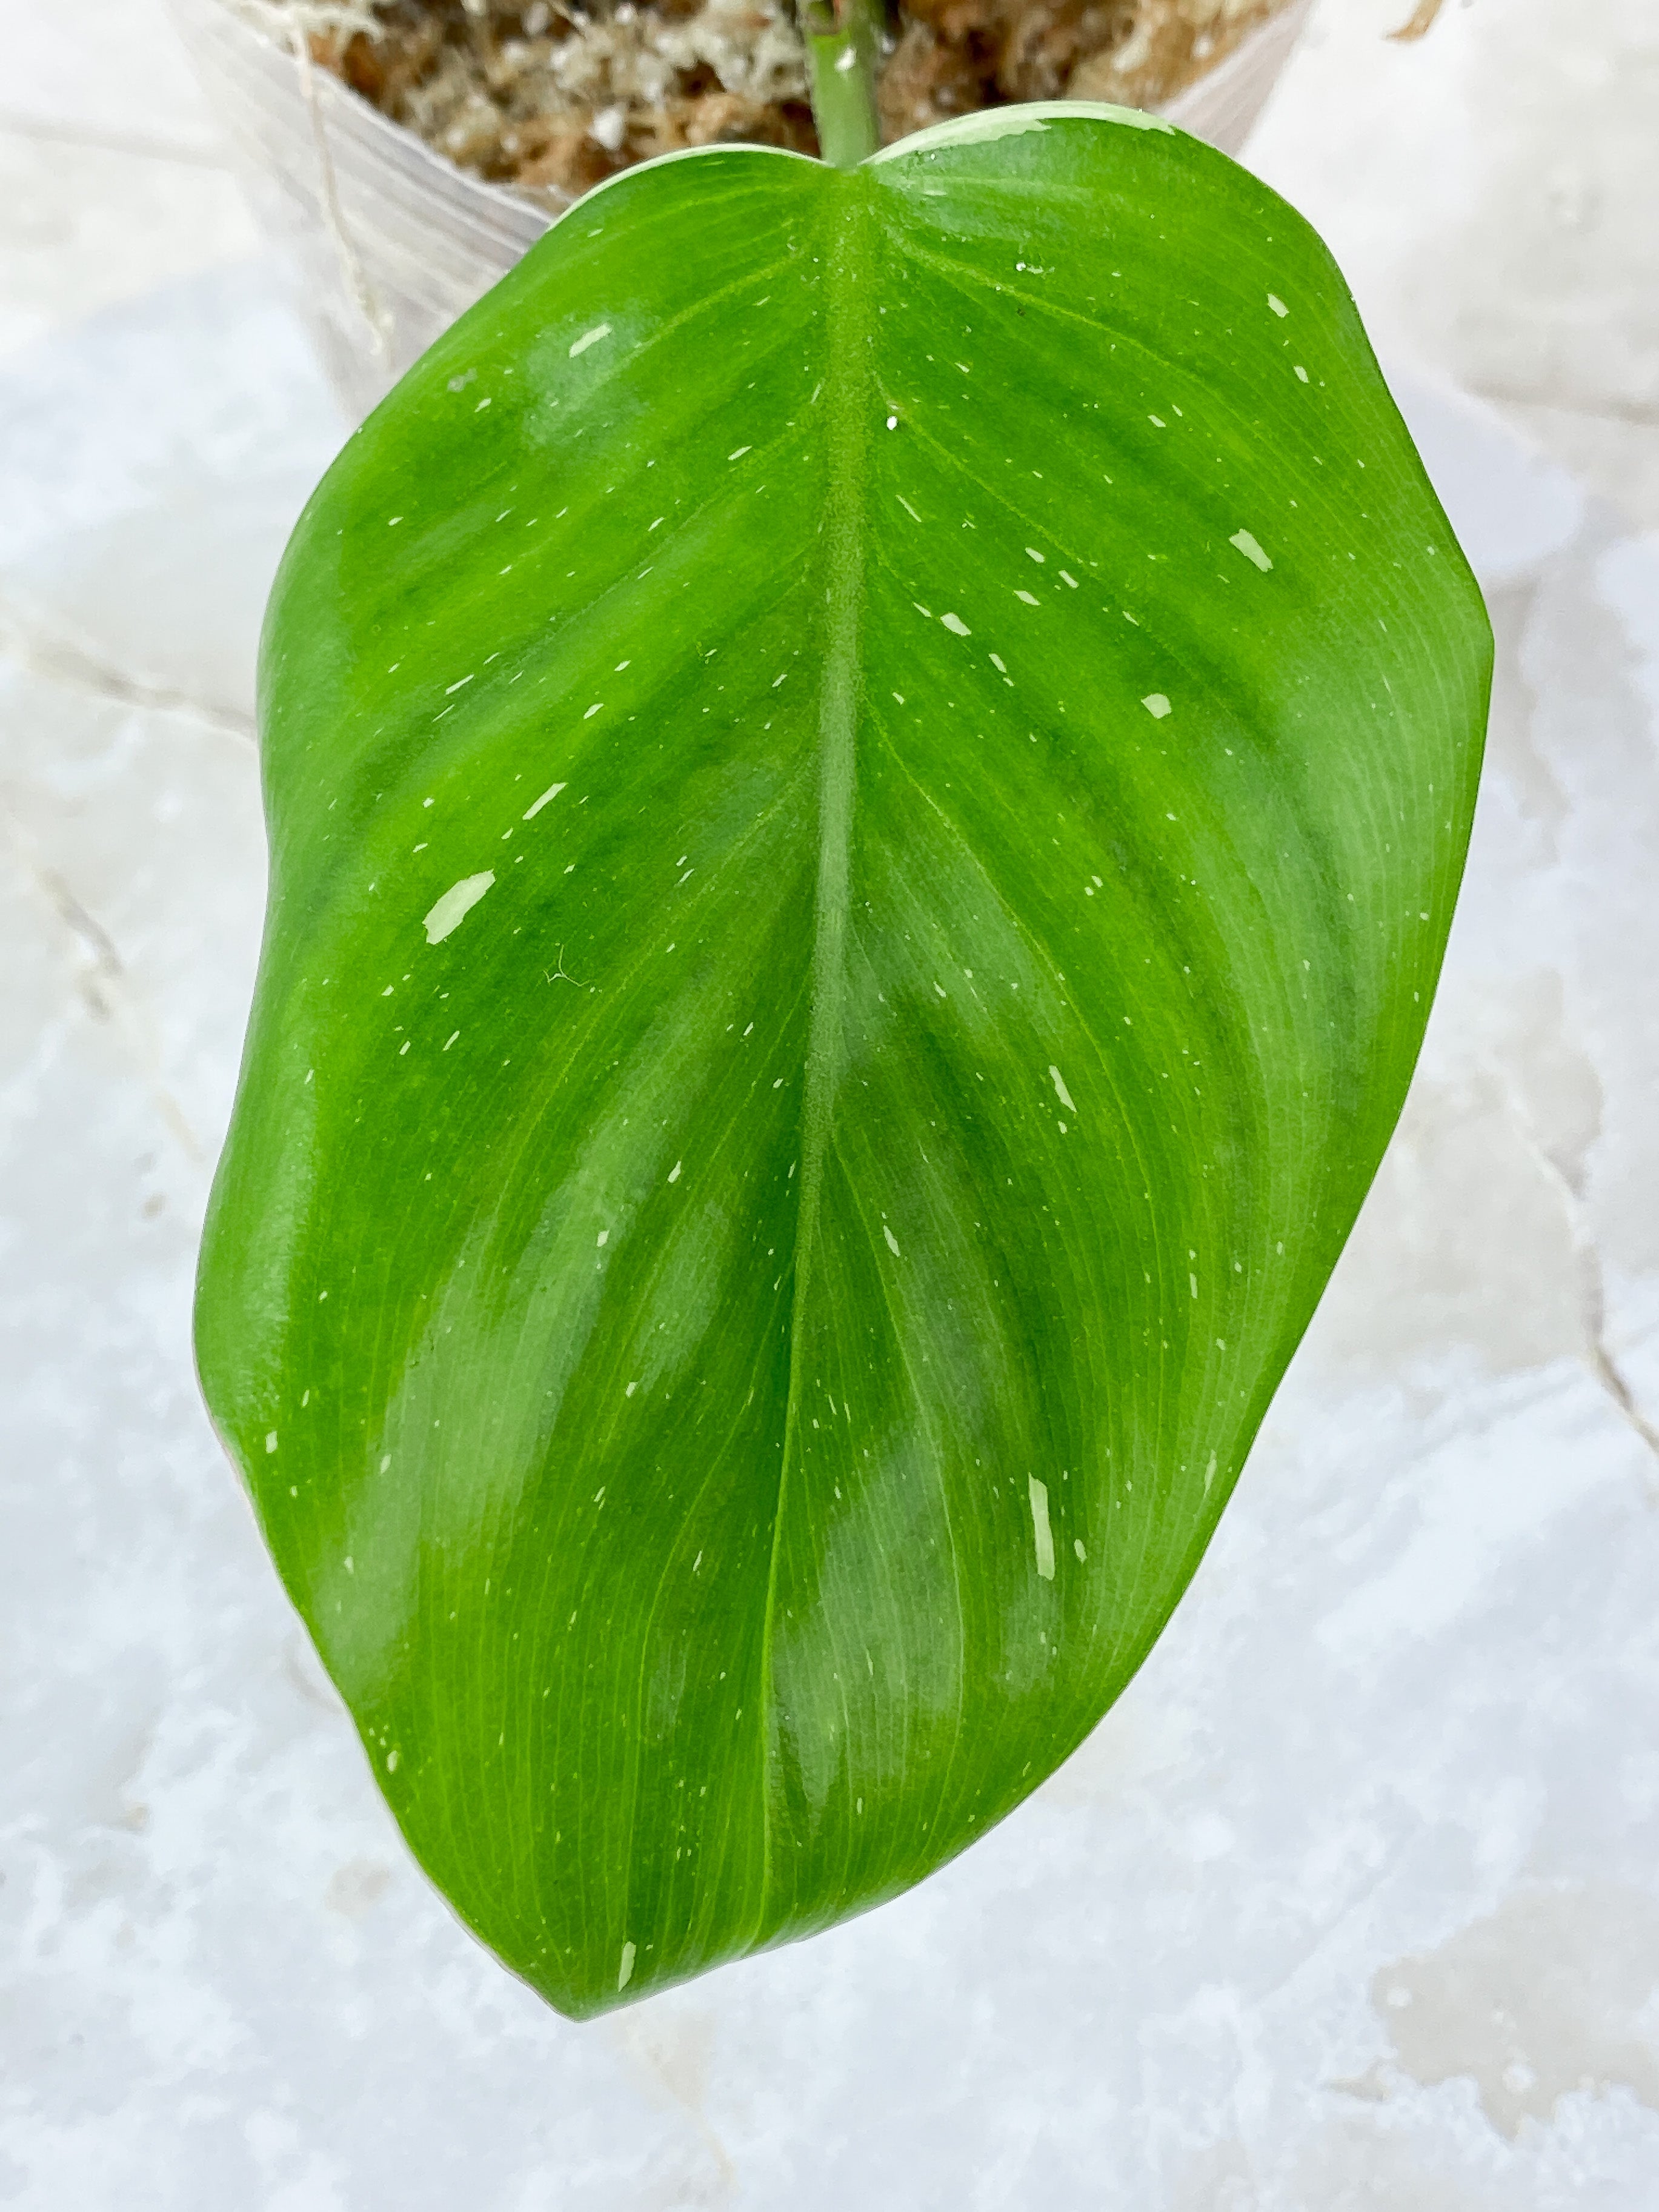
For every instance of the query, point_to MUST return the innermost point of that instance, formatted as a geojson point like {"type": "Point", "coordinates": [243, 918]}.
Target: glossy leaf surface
{"type": "Point", "coordinates": [867, 775]}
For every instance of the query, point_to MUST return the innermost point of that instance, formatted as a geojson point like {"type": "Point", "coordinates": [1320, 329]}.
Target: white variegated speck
{"type": "Point", "coordinates": [1042, 1533]}
{"type": "Point", "coordinates": [457, 902]}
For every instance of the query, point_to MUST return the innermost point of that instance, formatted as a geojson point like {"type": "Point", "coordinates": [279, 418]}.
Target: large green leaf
{"type": "Point", "coordinates": [867, 774]}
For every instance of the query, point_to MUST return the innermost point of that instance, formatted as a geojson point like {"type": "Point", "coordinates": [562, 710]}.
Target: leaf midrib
{"type": "Point", "coordinates": [845, 324]}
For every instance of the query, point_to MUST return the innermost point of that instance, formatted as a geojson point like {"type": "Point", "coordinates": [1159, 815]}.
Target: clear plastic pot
{"type": "Point", "coordinates": [391, 242]}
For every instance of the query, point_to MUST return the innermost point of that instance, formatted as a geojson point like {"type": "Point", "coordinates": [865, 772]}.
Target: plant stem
{"type": "Point", "coordinates": [843, 39]}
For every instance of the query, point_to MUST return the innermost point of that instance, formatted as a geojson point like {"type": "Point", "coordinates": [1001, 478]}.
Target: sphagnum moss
{"type": "Point", "coordinates": [551, 99]}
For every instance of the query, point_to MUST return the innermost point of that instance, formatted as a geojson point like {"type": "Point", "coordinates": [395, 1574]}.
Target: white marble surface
{"type": "Point", "coordinates": [1351, 1905]}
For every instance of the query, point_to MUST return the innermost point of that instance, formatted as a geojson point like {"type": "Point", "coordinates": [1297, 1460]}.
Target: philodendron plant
{"type": "Point", "coordinates": [867, 767]}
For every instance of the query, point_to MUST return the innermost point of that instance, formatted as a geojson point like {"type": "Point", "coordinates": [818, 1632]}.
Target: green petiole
{"type": "Point", "coordinates": [843, 43]}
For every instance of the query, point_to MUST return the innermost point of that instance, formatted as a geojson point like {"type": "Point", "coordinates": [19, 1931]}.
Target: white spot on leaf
{"type": "Point", "coordinates": [1061, 1092]}
{"type": "Point", "coordinates": [1156, 705]}
{"type": "Point", "coordinates": [1043, 1534]}
{"type": "Point", "coordinates": [1248, 546]}
{"type": "Point", "coordinates": [590, 337]}
{"type": "Point", "coordinates": [552, 791]}
{"type": "Point", "coordinates": [457, 902]}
